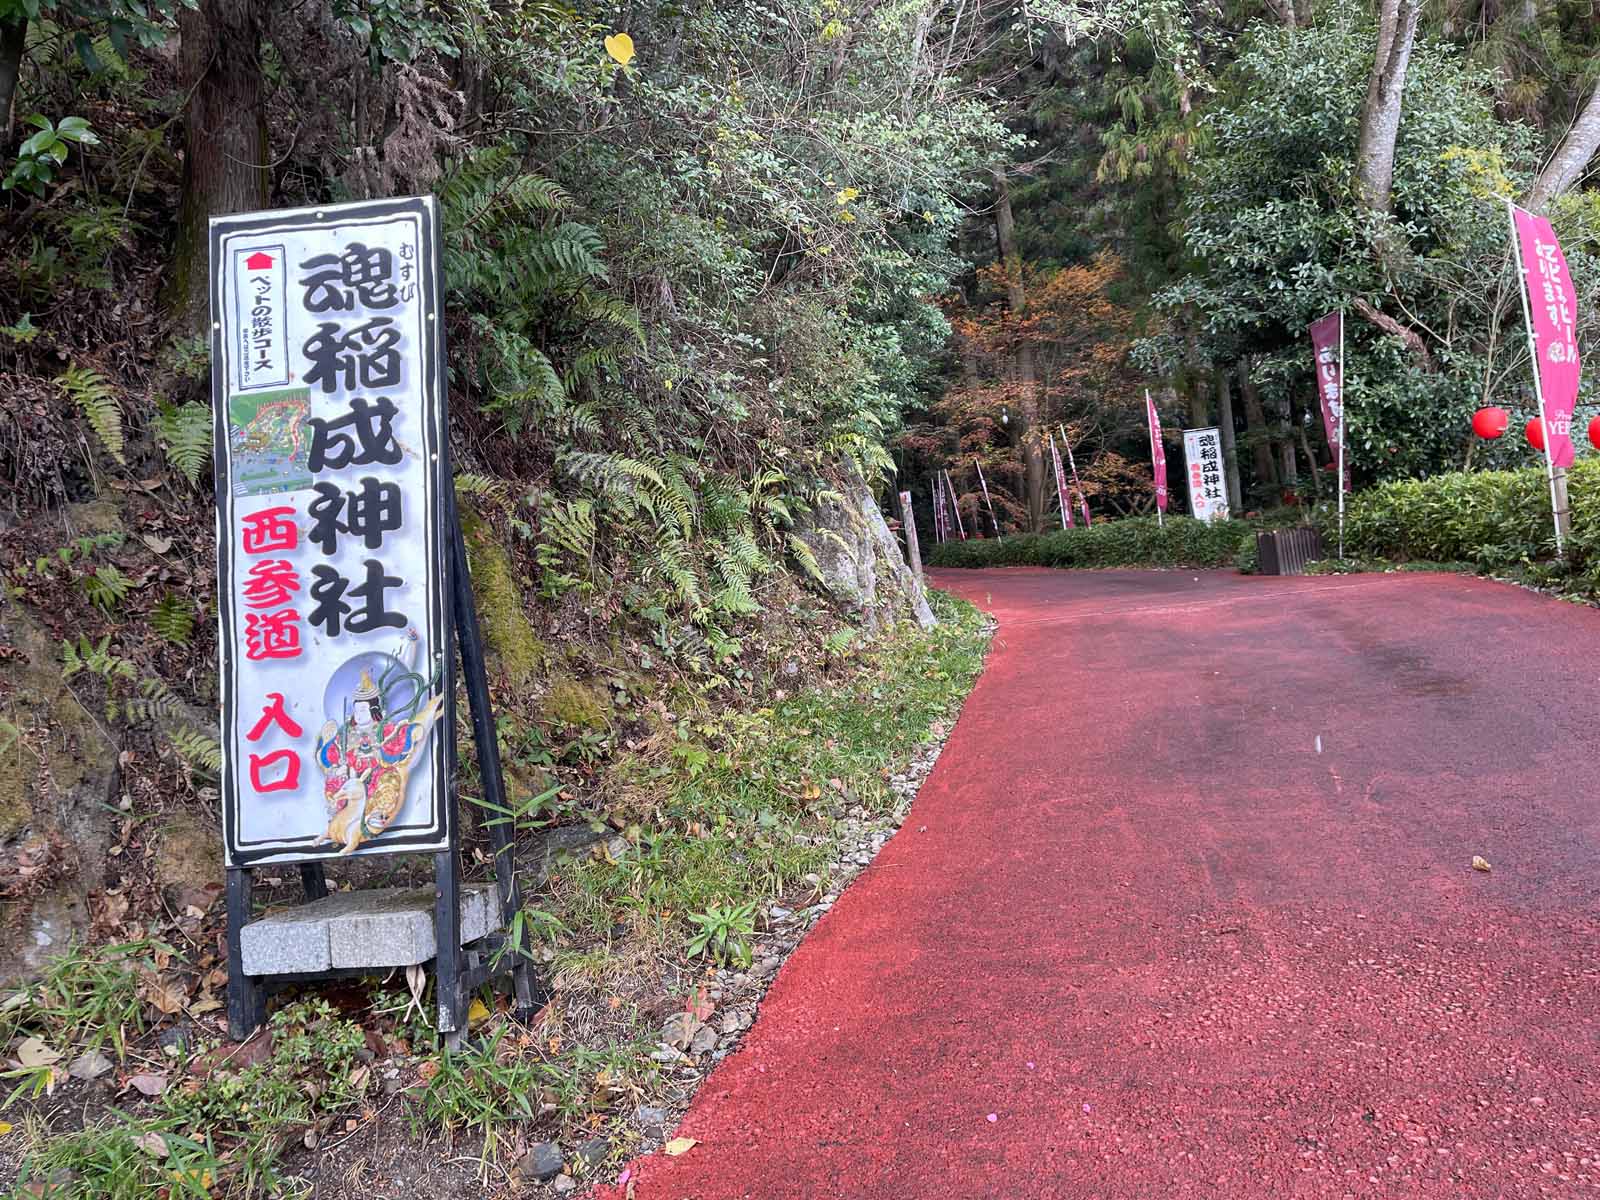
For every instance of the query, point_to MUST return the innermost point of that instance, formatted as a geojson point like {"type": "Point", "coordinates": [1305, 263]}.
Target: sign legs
{"type": "Point", "coordinates": [458, 970]}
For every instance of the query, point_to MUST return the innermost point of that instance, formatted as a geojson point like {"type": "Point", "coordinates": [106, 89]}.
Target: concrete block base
{"type": "Point", "coordinates": [377, 928]}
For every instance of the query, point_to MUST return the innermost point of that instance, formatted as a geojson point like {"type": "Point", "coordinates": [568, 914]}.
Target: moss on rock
{"type": "Point", "coordinates": [509, 638]}
{"type": "Point", "coordinates": [578, 704]}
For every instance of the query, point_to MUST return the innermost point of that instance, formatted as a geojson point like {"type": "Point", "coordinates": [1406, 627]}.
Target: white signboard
{"type": "Point", "coordinates": [333, 551]}
{"type": "Point", "coordinates": [1208, 494]}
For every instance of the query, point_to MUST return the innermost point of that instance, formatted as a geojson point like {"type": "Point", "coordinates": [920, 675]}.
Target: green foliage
{"type": "Point", "coordinates": [173, 618]}
{"type": "Point", "coordinates": [738, 814]}
{"type": "Point", "coordinates": [227, 1129]}
{"type": "Point", "coordinates": [1276, 237]}
{"type": "Point", "coordinates": [723, 933]}
{"type": "Point", "coordinates": [84, 998]}
{"type": "Point", "coordinates": [97, 400]}
{"type": "Point", "coordinates": [107, 587]}
{"type": "Point", "coordinates": [1494, 519]}
{"type": "Point", "coordinates": [42, 154]}
{"type": "Point", "coordinates": [1132, 542]}
{"type": "Point", "coordinates": [185, 433]}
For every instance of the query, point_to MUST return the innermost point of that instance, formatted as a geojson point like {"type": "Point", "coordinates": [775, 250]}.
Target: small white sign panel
{"type": "Point", "coordinates": [1208, 494]}
{"type": "Point", "coordinates": [332, 567]}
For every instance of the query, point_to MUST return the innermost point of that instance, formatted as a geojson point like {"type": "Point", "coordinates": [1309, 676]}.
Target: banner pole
{"type": "Point", "coordinates": [1538, 385]}
{"type": "Point", "coordinates": [1061, 495]}
{"type": "Point", "coordinates": [993, 520]}
{"type": "Point", "coordinates": [1076, 482]}
{"type": "Point", "coordinates": [955, 505]}
{"type": "Point", "coordinates": [1344, 430]}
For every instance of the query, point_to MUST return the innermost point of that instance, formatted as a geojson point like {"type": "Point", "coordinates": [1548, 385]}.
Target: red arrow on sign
{"type": "Point", "coordinates": [258, 261]}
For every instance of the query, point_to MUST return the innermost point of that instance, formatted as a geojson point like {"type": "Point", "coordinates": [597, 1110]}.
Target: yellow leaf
{"type": "Point", "coordinates": [680, 1145]}
{"type": "Point", "coordinates": [5, 1128]}
{"type": "Point", "coordinates": [1479, 864]}
{"type": "Point", "coordinates": [477, 1013]}
{"type": "Point", "coordinates": [620, 47]}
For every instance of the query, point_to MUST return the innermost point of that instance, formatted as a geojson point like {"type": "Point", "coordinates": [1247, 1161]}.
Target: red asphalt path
{"type": "Point", "coordinates": [1139, 937]}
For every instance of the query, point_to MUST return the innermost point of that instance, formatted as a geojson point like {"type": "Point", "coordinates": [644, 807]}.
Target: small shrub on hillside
{"type": "Point", "coordinates": [1493, 519]}
{"type": "Point", "coordinates": [1134, 542]}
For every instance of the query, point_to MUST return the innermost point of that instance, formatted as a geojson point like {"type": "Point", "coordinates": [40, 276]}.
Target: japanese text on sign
{"type": "Point", "coordinates": [1208, 494]}
{"type": "Point", "coordinates": [332, 501]}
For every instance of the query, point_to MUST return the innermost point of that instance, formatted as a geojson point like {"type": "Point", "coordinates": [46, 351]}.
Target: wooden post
{"type": "Point", "coordinates": [909, 521]}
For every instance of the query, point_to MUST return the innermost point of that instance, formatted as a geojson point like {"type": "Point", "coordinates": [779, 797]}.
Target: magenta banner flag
{"type": "Point", "coordinates": [1327, 341]}
{"type": "Point", "coordinates": [1061, 486]}
{"type": "Point", "coordinates": [1158, 452]}
{"type": "Point", "coordinates": [1552, 314]}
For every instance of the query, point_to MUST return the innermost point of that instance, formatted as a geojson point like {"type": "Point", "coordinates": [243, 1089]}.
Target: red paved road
{"type": "Point", "coordinates": [1174, 949]}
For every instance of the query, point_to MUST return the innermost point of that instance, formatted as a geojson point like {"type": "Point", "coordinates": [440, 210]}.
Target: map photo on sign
{"type": "Point", "coordinates": [333, 561]}
{"type": "Point", "coordinates": [267, 441]}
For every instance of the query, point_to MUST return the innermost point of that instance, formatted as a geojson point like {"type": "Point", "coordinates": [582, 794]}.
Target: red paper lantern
{"type": "Point", "coordinates": [1594, 432]}
{"type": "Point", "coordinates": [1534, 432]}
{"type": "Point", "coordinates": [1490, 423]}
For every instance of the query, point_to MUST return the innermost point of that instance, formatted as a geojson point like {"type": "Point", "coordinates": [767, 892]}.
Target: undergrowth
{"type": "Point", "coordinates": [750, 804]}
{"type": "Point", "coordinates": [1132, 542]}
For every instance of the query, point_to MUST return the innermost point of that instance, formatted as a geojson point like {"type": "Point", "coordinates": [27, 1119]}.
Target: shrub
{"type": "Point", "coordinates": [1133, 542]}
{"type": "Point", "coordinates": [1494, 519]}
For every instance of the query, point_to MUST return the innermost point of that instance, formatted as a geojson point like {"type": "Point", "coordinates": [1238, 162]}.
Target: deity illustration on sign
{"type": "Point", "coordinates": [366, 757]}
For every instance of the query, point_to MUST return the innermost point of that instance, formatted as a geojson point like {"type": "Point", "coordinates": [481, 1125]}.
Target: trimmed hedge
{"type": "Point", "coordinates": [1495, 519]}
{"type": "Point", "coordinates": [1132, 542]}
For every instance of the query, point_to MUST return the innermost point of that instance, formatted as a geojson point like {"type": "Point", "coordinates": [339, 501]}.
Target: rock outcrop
{"type": "Point", "coordinates": [861, 562]}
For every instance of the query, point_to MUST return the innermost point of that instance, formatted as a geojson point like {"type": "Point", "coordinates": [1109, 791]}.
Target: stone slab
{"type": "Point", "coordinates": [379, 927]}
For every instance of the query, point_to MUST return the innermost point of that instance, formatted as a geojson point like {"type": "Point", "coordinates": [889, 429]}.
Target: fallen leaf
{"type": "Point", "coordinates": [680, 1145]}
{"type": "Point", "coordinates": [165, 995]}
{"type": "Point", "coordinates": [152, 1143]}
{"type": "Point", "coordinates": [158, 545]}
{"type": "Point", "coordinates": [32, 1052]}
{"type": "Point", "coordinates": [149, 1085]}
{"type": "Point", "coordinates": [701, 1004]}
{"type": "Point", "coordinates": [477, 1012]}
{"type": "Point", "coordinates": [5, 1128]}
{"type": "Point", "coordinates": [427, 1070]}
{"type": "Point", "coordinates": [1480, 864]}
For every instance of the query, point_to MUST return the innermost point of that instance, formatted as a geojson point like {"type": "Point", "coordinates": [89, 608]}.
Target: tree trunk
{"type": "Point", "coordinates": [1311, 461]}
{"type": "Point", "coordinates": [1230, 455]}
{"type": "Point", "coordinates": [224, 141]}
{"type": "Point", "coordinates": [1005, 230]}
{"type": "Point", "coordinates": [13, 41]}
{"type": "Point", "coordinates": [1380, 115]}
{"type": "Point", "coordinates": [1255, 420]}
{"type": "Point", "coordinates": [1571, 157]}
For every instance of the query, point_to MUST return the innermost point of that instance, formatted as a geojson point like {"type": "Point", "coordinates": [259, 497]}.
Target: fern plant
{"type": "Point", "coordinates": [107, 587]}
{"type": "Point", "coordinates": [185, 433]}
{"type": "Point", "coordinates": [173, 619]}
{"type": "Point", "coordinates": [95, 398]}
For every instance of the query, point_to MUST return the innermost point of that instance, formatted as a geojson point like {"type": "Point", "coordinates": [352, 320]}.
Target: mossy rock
{"type": "Point", "coordinates": [578, 704]}
{"type": "Point", "coordinates": [509, 638]}
{"type": "Point", "coordinates": [188, 860]}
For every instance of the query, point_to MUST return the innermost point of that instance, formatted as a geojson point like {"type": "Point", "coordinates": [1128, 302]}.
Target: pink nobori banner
{"type": "Point", "coordinates": [1327, 344]}
{"type": "Point", "coordinates": [1158, 453]}
{"type": "Point", "coordinates": [1552, 317]}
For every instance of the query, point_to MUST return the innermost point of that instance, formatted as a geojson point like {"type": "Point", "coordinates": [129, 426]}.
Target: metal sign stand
{"type": "Point", "coordinates": [458, 970]}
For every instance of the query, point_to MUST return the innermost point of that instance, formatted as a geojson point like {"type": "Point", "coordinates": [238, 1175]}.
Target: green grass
{"type": "Point", "coordinates": [218, 1133]}
{"type": "Point", "coordinates": [86, 998]}
{"type": "Point", "coordinates": [740, 806]}
{"type": "Point", "coordinates": [741, 787]}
